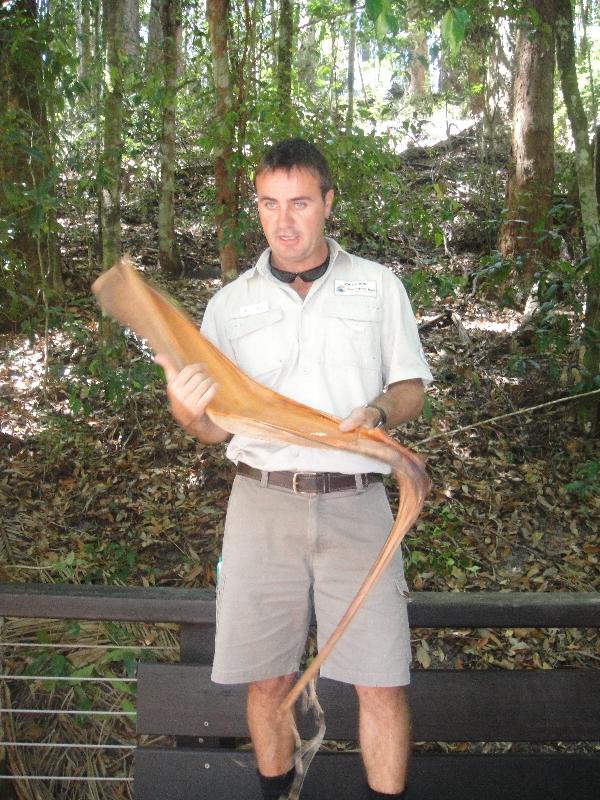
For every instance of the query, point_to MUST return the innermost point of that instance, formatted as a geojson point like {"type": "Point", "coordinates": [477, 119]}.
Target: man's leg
{"type": "Point", "coordinates": [272, 735]}
{"type": "Point", "coordinates": [384, 731]}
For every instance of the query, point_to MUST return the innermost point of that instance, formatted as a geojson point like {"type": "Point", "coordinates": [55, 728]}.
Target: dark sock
{"type": "Point", "coordinates": [373, 795]}
{"type": "Point", "coordinates": [273, 787]}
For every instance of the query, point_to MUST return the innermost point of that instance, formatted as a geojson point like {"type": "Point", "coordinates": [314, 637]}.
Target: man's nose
{"type": "Point", "coordinates": [285, 215]}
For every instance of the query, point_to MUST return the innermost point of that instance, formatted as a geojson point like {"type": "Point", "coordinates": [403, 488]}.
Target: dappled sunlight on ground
{"type": "Point", "coordinates": [425, 130]}
{"type": "Point", "coordinates": [482, 324]}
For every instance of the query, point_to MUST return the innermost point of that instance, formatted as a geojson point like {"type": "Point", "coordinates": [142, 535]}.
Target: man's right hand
{"type": "Point", "coordinates": [189, 390]}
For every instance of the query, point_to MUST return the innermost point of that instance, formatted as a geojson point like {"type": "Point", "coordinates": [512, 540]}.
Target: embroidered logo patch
{"type": "Point", "coordinates": [256, 308]}
{"type": "Point", "coordinates": [364, 288]}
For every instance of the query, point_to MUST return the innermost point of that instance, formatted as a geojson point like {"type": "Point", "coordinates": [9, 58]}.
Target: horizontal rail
{"type": "Point", "coordinates": [117, 603]}
{"type": "Point", "coordinates": [505, 609]}
{"type": "Point", "coordinates": [67, 778]}
{"type": "Point", "coordinates": [72, 678]}
{"type": "Point", "coordinates": [74, 712]}
{"type": "Point", "coordinates": [69, 745]}
{"type": "Point", "coordinates": [74, 646]}
{"type": "Point", "coordinates": [197, 606]}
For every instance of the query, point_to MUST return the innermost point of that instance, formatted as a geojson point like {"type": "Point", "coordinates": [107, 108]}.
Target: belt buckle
{"type": "Point", "coordinates": [297, 475]}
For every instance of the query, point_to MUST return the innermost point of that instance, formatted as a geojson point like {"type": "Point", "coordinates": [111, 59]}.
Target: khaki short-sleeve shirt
{"type": "Point", "coordinates": [352, 335]}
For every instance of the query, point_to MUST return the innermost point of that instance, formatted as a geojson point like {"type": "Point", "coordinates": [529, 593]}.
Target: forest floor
{"type": "Point", "coordinates": [98, 484]}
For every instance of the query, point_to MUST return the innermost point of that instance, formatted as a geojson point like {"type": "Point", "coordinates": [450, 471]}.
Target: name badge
{"type": "Point", "coordinates": [256, 308]}
{"type": "Point", "coordinates": [364, 288]}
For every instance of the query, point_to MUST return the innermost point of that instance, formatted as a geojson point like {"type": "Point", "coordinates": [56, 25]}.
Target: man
{"type": "Point", "coordinates": [335, 332]}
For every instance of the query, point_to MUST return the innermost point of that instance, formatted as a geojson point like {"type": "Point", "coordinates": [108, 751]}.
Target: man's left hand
{"type": "Point", "coordinates": [360, 418]}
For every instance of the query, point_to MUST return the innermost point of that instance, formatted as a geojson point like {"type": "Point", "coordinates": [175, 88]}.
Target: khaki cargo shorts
{"type": "Point", "coordinates": [284, 553]}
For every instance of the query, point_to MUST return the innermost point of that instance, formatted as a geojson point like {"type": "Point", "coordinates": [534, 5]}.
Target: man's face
{"type": "Point", "coordinates": [292, 212]}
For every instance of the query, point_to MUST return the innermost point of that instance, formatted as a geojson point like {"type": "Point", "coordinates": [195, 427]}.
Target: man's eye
{"type": "Point", "coordinates": [300, 204]}
{"type": "Point", "coordinates": [270, 204]}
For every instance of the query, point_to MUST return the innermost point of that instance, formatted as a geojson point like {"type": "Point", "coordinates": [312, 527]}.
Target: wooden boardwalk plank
{"type": "Point", "coordinates": [447, 705]}
{"type": "Point", "coordinates": [218, 775]}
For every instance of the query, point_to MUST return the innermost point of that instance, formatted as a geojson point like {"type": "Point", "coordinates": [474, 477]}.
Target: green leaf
{"type": "Point", "coordinates": [394, 24]}
{"type": "Point", "coordinates": [454, 26]}
{"type": "Point", "coordinates": [73, 629]}
{"type": "Point", "coordinates": [380, 12]}
{"type": "Point", "coordinates": [83, 672]}
{"type": "Point", "coordinates": [374, 9]}
{"type": "Point", "coordinates": [427, 410]}
{"type": "Point", "coordinates": [382, 27]}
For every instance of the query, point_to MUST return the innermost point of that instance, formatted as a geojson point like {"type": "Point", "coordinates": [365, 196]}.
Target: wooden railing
{"type": "Point", "coordinates": [204, 760]}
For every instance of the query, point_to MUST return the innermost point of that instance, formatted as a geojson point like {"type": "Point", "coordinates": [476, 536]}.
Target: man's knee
{"type": "Point", "coordinates": [271, 689]}
{"type": "Point", "coordinates": [381, 698]}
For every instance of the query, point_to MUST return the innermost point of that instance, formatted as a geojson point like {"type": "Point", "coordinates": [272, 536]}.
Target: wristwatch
{"type": "Point", "coordinates": [382, 415]}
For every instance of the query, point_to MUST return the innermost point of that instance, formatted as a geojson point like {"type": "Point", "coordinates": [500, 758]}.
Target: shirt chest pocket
{"type": "Point", "coordinates": [353, 330]}
{"type": "Point", "coordinates": [258, 344]}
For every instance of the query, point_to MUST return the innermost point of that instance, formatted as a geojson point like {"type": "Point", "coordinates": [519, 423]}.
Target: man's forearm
{"type": "Point", "coordinates": [401, 402]}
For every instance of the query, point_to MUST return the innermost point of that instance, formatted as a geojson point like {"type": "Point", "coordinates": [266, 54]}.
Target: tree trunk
{"type": "Point", "coordinates": [585, 49]}
{"type": "Point", "coordinates": [284, 58]}
{"type": "Point", "coordinates": [308, 58]}
{"type": "Point", "coordinates": [131, 30]}
{"type": "Point", "coordinates": [110, 184]}
{"type": "Point", "coordinates": [31, 262]}
{"type": "Point", "coordinates": [351, 60]}
{"type": "Point", "coordinates": [417, 68]}
{"type": "Point", "coordinates": [83, 23]}
{"type": "Point", "coordinates": [253, 34]}
{"type": "Point", "coordinates": [155, 41]}
{"type": "Point", "coordinates": [168, 255]}
{"type": "Point", "coordinates": [217, 12]}
{"type": "Point", "coordinates": [476, 71]}
{"type": "Point", "coordinates": [524, 235]}
{"type": "Point", "coordinates": [245, 69]}
{"type": "Point", "coordinates": [497, 79]}
{"type": "Point", "coordinates": [449, 80]}
{"type": "Point", "coordinates": [274, 42]}
{"type": "Point", "coordinates": [565, 52]}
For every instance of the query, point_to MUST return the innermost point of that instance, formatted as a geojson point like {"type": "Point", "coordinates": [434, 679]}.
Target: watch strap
{"type": "Point", "coordinates": [382, 415]}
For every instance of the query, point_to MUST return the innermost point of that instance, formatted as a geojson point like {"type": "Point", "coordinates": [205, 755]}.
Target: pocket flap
{"type": "Point", "coordinates": [238, 327]}
{"type": "Point", "coordinates": [353, 308]}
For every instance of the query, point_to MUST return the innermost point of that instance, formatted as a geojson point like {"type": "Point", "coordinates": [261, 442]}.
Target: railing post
{"type": "Point", "coordinates": [197, 646]}
{"type": "Point", "coordinates": [196, 643]}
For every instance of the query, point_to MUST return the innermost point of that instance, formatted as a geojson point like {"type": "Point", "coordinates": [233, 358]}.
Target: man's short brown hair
{"type": "Point", "coordinates": [300, 154]}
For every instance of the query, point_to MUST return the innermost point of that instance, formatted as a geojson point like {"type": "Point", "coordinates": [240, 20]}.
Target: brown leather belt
{"type": "Point", "coordinates": [311, 482]}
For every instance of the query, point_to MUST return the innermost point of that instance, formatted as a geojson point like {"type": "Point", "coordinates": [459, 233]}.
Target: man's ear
{"type": "Point", "coordinates": [328, 203]}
